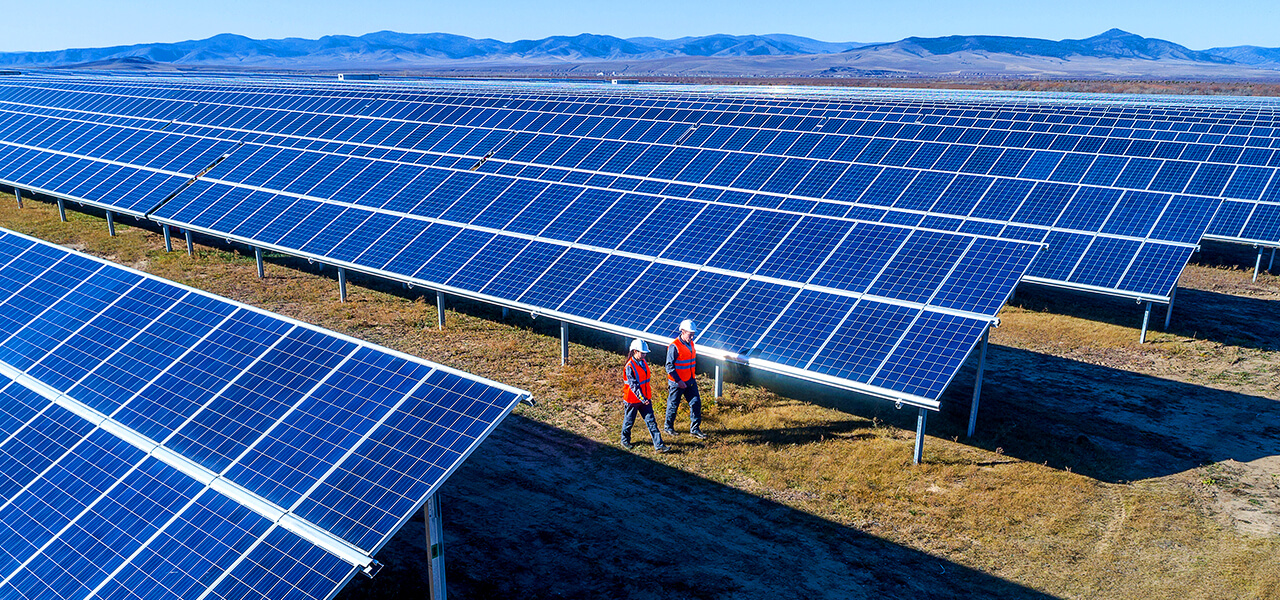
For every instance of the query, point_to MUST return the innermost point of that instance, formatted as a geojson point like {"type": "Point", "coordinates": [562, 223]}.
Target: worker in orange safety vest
{"type": "Point", "coordinates": [638, 397]}
{"type": "Point", "coordinates": [682, 357]}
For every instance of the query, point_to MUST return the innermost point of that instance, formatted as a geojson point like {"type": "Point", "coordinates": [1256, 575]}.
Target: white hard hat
{"type": "Point", "coordinates": [687, 325]}
{"type": "Point", "coordinates": [639, 344]}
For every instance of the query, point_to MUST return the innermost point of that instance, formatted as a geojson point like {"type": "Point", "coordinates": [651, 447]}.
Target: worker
{"type": "Point", "coordinates": [638, 397]}
{"type": "Point", "coordinates": [681, 359]}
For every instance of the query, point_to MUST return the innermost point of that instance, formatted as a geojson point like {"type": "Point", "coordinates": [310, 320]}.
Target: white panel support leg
{"type": "Point", "coordinates": [191, 245]}
{"type": "Point", "coordinates": [977, 381]}
{"type": "Point", "coordinates": [719, 379]}
{"type": "Point", "coordinates": [1168, 315]}
{"type": "Point", "coordinates": [168, 238]}
{"type": "Point", "coordinates": [17, 193]}
{"type": "Point", "coordinates": [564, 343]}
{"type": "Point", "coordinates": [62, 210]}
{"type": "Point", "coordinates": [435, 546]}
{"type": "Point", "coordinates": [342, 284]}
{"type": "Point", "coordinates": [111, 224]}
{"type": "Point", "coordinates": [257, 257]}
{"type": "Point", "coordinates": [440, 310]}
{"type": "Point", "coordinates": [1257, 265]}
{"type": "Point", "coordinates": [920, 421]}
{"type": "Point", "coordinates": [1146, 318]}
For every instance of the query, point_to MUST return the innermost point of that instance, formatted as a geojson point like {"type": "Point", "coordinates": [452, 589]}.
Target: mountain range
{"type": "Point", "coordinates": [1114, 53]}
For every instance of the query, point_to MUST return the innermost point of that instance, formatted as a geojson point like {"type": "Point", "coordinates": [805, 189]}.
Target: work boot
{"type": "Point", "coordinates": [669, 431]}
{"type": "Point", "coordinates": [698, 434]}
{"type": "Point", "coordinates": [627, 445]}
{"type": "Point", "coordinates": [663, 449]}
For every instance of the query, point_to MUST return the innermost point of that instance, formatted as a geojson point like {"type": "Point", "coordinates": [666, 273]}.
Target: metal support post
{"type": "Point", "coordinates": [111, 224]}
{"type": "Point", "coordinates": [168, 237]}
{"type": "Point", "coordinates": [257, 257]}
{"type": "Point", "coordinates": [440, 310]}
{"type": "Point", "coordinates": [17, 193]}
{"type": "Point", "coordinates": [1146, 316]}
{"type": "Point", "coordinates": [919, 453]}
{"type": "Point", "coordinates": [435, 546]}
{"type": "Point", "coordinates": [1271, 263]}
{"type": "Point", "coordinates": [342, 284]}
{"type": "Point", "coordinates": [191, 245]}
{"type": "Point", "coordinates": [720, 366]}
{"type": "Point", "coordinates": [506, 312]}
{"type": "Point", "coordinates": [62, 210]}
{"type": "Point", "coordinates": [1168, 315]}
{"type": "Point", "coordinates": [1257, 265]}
{"type": "Point", "coordinates": [977, 381]}
{"type": "Point", "coordinates": [564, 343]}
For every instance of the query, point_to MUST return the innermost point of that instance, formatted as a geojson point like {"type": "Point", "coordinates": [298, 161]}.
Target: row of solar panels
{"type": "Point", "coordinates": [981, 204]}
{"type": "Point", "coordinates": [1038, 117]}
{"type": "Point", "coordinates": [157, 441]}
{"type": "Point", "coordinates": [811, 154]}
{"type": "Point", "coordinates": [1141, 112]}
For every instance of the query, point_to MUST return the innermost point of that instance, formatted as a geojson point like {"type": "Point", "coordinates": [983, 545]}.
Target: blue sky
{"type": "Point", "coordinates": [58, 24]}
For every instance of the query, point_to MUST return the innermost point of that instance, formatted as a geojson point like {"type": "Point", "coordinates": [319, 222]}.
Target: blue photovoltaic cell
{"type": "Point", "coordinates": [1105, 261]}
{"type": "Point", "coordinates": [805, 247]}
{"type": "Point", "coordinates": [1152, 271]}
{"type": "Point", "coordinates": [803, 328]}
{"type": "Point", "coordinates": [701, 299]}
{"type": "Point", "coordinates": [745, 317]}
{"type": "Point", "coordinates": [1231, 218]}
{"type": "Point", "coordinates": [863, 341]}
{"type": "Point", "coordinates": [600, 291]}
{"type": "Point", "coordinates": [648, 295]}
{"type": "Point", "coordinates": [929, 355]}
{"type": "Point", "coordinates": [920, 266]}
{"type": "Point", "coordinates": [983, 275]}
{"type": "Point", "coordinates": [273, 407]}
{"type": "Point", "coordinates": [861, 257]}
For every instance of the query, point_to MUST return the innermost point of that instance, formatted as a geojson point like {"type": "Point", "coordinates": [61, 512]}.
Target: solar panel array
{"type": "Point", "coordinates": [1066, 175]}
{"type": "Point", "coordinates": [888, 308]}
{"type": "Point", "coordinates": [160, 442]}
{"type": "Point", "coordinates": [796, 226]}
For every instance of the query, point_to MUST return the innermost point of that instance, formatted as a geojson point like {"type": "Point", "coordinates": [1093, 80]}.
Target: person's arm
{"type": "Point", "coordinates": [633, 380]}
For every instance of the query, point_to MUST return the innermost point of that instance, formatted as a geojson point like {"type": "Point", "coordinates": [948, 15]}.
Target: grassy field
{"type": "Point", "coordinates": [1101, 468]}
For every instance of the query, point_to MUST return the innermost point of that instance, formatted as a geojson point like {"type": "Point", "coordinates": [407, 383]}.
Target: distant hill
{"type": "Point", "coordinates": [391, 47]}
{"type": "Point", "coordinates": [1114, 53]}
{"type": "Point", "coordinates": [1110, 44]}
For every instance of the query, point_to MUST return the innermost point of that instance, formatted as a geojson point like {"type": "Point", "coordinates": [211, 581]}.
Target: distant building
{"type": "Point", "coordinates": [357, 76]}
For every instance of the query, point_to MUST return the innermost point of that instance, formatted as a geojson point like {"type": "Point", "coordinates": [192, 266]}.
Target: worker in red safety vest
{"type": "Point", "coordinates": [681, 359]}
{"type": "Point", "coordinates": [638, 397]}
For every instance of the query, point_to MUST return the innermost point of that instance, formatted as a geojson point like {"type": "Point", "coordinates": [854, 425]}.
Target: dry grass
{"type": "Point", "coordinates": [1043, 527]}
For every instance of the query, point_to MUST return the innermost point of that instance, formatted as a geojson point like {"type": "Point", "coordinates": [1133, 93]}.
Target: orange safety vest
{"type": "Point", "coordinates": [642, 373]}
{"type": "Point", "coordinates": [686, 358]}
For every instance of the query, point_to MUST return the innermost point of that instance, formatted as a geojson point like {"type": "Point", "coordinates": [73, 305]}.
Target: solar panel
{"type": "Point", "coordinates": [157, 441]}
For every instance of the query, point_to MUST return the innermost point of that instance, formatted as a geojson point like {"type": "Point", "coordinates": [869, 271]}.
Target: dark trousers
{"type": "Point", "coordinates": [629, 417]}
{"type": "Point", "coordinates": [690, 393]}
